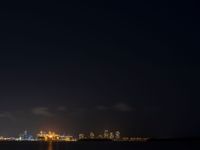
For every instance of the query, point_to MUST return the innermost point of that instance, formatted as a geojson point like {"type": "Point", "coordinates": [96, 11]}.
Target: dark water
{"type": "Point", "coordinates": [100, 146]}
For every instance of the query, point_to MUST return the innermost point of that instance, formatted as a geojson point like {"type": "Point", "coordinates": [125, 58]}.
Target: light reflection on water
{"type": "Point", "coordinates": [46, 146]}
{"type": "Point", "coordinates": [50, 146]}
{"type": "Point", "coordinates": [99, 146]}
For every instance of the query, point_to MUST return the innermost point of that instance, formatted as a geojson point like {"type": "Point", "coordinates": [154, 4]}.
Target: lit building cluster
{"type": "Point", "coordinates": [52, 136]}
{"type": "Point", "coordinates": [113, 136]}
{"type": "Point", "coordinates": [7, 138]}
{"type": "Point", "coordinates": [106, 135]}
{"type": "Point", "coordinates": [25, 137]}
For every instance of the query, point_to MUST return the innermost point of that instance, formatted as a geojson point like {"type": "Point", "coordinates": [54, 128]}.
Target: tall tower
{"type": "Point", "coordinates": [106, 134]}
{"type": "Point", "coordinates": [92, 135]}
{"type": "Point", "coordinates": [81, 136]}
{"type": "Point", "coordinates": [111, 136]}
{"type": "Point", "coordinates": [117, 135]}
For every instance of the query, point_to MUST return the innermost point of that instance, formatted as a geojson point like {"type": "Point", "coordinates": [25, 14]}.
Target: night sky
{"type": "Point", "coordinates": [88, 66]}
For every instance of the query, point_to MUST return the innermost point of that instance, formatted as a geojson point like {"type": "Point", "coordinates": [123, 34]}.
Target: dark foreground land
{"type": "Point", "coordinates": [151, 145]}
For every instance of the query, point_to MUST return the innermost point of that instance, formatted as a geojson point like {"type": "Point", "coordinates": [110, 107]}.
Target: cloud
{"type": "Point", "coordinates": [101, 107]}
{"type": "Point", "coordinates": [123, 107]}
{"type": "Point", "coordinates": [42, 111]}
{"type": "Point", "coordinates": [61, 108]}
{"type": "Point", "coordinates": [7, 115]}
{"type": "Point", "coordinates": [120, 106]}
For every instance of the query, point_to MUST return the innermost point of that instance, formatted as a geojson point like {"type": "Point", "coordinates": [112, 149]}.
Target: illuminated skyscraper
{"type": "Point", "coordinates": [25, 136]}
{"type": "Point", "coordinates": [81, 136]}
{"type": "Point", "coordinates": [92, 135]}
{"type": "Point", "coordinates": [111, 135]}
{"type": "Point", "coordinates": [117, 135]}
{"type": "Point", "coordinates": [106, 134]}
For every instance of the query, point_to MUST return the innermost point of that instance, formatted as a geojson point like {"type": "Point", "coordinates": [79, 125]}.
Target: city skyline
{"type": "Point", "coordinates": [50, 136]}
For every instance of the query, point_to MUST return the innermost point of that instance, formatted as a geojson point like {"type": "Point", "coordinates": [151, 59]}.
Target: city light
{"type": "Point", "coordinates": [91, 136]}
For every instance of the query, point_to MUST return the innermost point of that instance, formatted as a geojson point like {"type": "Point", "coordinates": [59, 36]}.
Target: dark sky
{"type": "Point", "coordinates": [80, 66]}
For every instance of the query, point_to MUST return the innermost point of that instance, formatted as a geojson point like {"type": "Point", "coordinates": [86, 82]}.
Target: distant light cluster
{"type": "Point", "coordinates": [106, 135]}
{"type": "Point", "coordinates": [52, 136]}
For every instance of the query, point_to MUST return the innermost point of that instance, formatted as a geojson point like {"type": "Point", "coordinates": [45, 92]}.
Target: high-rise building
{"type": "Point", "coordinates": [117, 135]}
{"type": "Point", "coordinates": [111, 136]}
{"type": "Point", "coordinates": [81, 136]}
{"type": "Point", "coordinates": [25, 136]}
{"type": "Point", "coordinates": [106, 134]}
{"type": "Point", "coordinates": [92, 135]}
